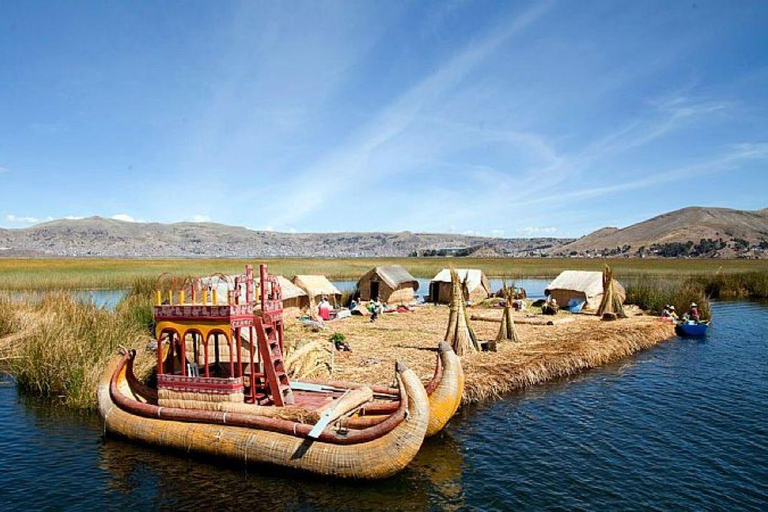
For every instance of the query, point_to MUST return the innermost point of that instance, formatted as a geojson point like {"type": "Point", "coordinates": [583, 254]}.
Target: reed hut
{"type": "Point", "coordinates": [390, 282]}
{"type": "Point", "coordinates": [316, 287]}
{"type": "Point", "coordinates": [478, 287]}
{"type": "Point", "coordinates": [295, 300]}
{"type": "Point", "coordinates": [583, 286]}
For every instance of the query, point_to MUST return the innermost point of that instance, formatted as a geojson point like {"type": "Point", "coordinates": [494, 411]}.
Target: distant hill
{"type": "Point", "coordinates": [689, 232]}
{"type": "Point", "coordinates": [99, 237]}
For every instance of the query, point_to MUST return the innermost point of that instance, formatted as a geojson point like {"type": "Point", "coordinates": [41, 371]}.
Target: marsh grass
{"type": "Point", "coordinates": [653, 294]}
{"type": "Point", "coordinates": [54, 274]}
{"type": "Point", "coordinates": [64, 346]}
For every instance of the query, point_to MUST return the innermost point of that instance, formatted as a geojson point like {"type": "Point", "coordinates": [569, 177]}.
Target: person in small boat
{"type": "Point", "coordinates": [669, 312]}
{"type": "Point", "coordinates": [693, 313]}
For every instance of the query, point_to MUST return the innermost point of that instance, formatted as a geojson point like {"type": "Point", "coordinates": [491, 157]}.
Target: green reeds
{"type": "Point", "coordinates": [66, 344]}
{"type": "Point", "coordinates": [653, 295]}
{"type": "Point", "coordinates": [72, 273]}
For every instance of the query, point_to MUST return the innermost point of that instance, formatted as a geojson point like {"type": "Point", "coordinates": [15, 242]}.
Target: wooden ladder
{"type": "Point", "coordinates": [274, 365]}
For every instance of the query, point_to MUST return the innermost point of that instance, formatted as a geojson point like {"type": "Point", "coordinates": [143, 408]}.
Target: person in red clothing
{"type": "Point", "coordinates": [693, 313]}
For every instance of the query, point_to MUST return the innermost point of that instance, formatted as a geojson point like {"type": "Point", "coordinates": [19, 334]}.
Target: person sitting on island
{"type": "Point", "coordinates": [693, 313]}
{"type": "Point", "coordinates": [324, 309]}
{"type": "Point", "coordinates": [673, 314]}
{"type": "Point", "coordinates": [550, 307]}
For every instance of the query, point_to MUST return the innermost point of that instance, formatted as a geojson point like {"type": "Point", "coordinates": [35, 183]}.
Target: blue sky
{"type": "Point", "coordinates": [496, 118]}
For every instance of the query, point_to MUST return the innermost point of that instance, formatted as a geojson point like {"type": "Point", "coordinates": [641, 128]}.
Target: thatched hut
{"type": "Point", "coordinates": [478, 287]}
{"type": "Point", "coordinates": [318, 286]}
{"type": "Point", "coordinates": [583, 286]}
{"type": "Point", "coordinates": [390, 282]}
{"type": "Point", "coordinates": [295, 300]}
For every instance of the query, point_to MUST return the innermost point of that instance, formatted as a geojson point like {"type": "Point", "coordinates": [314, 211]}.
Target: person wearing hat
{"type": "Point", "coordinates": [693, 313]}
{"type": "Point", "coordinates": [673, 313]}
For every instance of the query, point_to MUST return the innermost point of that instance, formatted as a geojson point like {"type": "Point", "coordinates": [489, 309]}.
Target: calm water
{"type": "Point", "coordinates": [679, 427]}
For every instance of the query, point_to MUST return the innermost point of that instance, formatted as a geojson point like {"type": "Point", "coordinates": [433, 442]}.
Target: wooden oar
{"type": "Point", "coordinates": [349, 401]}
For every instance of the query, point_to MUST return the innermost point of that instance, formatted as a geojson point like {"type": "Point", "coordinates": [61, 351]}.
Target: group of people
{"type": "Point", "coordinates": [692, 314]}
{"type": "Point", "coordinates": [375, 307]}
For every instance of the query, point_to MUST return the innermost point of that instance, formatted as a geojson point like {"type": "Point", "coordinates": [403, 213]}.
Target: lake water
{"type": "Point", "coordinates": [682, 426]}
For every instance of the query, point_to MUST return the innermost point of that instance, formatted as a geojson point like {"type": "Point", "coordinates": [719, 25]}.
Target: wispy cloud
{"type": "Point", "coordinates": [350, 164]}
{"type": "Point", "coordinates": [123, 217]}
{"type": "Point", "coordinates": [22, 219]}
{"type": "Point", "coordinates": [200, 218]}
{"type": "Point", "coordinates": [531, 230]}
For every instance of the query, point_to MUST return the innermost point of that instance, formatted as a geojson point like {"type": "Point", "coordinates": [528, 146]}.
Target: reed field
{"type": "Point", "coordinates": [92, 274]}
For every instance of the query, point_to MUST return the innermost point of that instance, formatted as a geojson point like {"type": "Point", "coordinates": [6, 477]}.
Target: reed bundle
{"type": "Point", "coordinates": [309, 359]}
{"type": "Point", "coordinates": [612, 303]}
{"type": "Point", "coordinates": [459, 333]}
{"type": "Point", "coordinates": [507, 331]}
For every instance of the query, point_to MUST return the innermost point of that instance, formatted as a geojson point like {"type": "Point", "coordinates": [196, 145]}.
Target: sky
{"type": "Point", "coordinates": [511, 119]}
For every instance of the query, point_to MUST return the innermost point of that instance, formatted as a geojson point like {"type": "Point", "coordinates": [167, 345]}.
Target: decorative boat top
{"type": "Point", "coordinates": [210, 355]}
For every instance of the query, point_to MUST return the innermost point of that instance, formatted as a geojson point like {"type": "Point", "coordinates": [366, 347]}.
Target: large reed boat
{"type": "Point", "coordinates": [223, 390]}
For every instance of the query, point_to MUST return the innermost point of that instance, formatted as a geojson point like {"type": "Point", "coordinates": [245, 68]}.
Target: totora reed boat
{"type": "Point", "coordinates": [218, 394]}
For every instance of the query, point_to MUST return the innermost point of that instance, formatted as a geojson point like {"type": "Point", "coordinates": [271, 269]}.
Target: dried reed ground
{"type": "Point", "coordinates": [546, 352]}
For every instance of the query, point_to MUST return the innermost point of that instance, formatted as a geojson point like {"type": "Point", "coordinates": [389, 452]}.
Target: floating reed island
{"type": "Point", "coordinates": [544, 352]}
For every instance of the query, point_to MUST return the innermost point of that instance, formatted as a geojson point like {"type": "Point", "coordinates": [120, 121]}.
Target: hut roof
{"type": "Point", "coordinates": [290, 290]}
{"type": "Point", "coordinates": [474, 277]}
{"type": "Point", "coordinates": [590, 283]}
{"type": "Point", "coordinates": [394, 276]}
{"type": "Point", "coordinates": [316, 285]}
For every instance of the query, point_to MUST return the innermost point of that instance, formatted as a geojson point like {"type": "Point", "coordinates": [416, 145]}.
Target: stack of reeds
{"type": "Point", "coordinates": [507, 331]}
{"type": "Point", "coordinates": [310, 359]}
{"type": "Point", "coordinates": [611, 306]}
{"type": "Point", "coordinates": [460, 334]}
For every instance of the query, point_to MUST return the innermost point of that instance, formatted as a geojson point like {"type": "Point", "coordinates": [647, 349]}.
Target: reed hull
{"type": "Point", "coordinates": [445, 399]}
{"type": "Point", "coordinates": [445, 391]}
{"type": "Point", "coordinates": [379, 458]}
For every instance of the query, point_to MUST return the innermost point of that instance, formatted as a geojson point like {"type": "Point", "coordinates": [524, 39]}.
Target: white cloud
{"type": "Point", "coordinates": [200, 218]}
{"type": "Point", "coordinates": [72, 217]}
{"type": "Point", "coordinates": [22, 220]}
{"type": "Point", "coordinates": [123, 217]}
{"type": "Point", "coordinates": [532, 230]}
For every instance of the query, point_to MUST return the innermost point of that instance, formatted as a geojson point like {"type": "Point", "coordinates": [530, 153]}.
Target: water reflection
{"type": "Point", "coordinates": [172, 480]}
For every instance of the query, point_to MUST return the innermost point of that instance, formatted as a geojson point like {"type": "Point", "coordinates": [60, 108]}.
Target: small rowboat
{"type": "Point", "coordinates": [349, 449]}
{"type": "Point", "coordinates": [691, 330]}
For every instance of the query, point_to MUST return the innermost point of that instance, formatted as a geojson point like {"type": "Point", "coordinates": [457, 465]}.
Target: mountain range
{"type": "Point", "coordinates": [690, 232]}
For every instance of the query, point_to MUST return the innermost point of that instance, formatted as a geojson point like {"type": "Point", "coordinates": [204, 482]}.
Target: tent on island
{"type": "Point", "coordinates": [295, 300]}
{"type": "Point", "coordinates": [317, 286]}
{"type": "Point", "coordinates": [478, 285]}
{"type": "Point", "coordinates": [390, 282]}
{"type": "Point", "coordinates": [583, 286]}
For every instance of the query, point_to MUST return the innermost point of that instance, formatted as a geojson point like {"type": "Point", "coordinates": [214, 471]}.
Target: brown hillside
{"type": "Point", "coordinates": [689, 224]}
